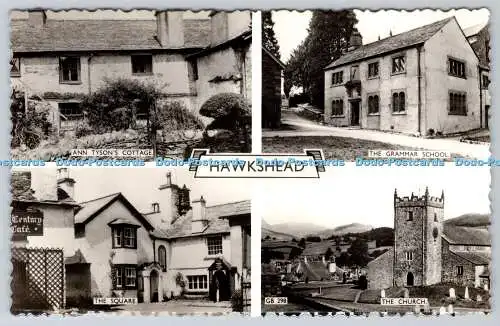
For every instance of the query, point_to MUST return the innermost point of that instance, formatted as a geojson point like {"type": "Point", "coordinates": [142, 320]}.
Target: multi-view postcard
{"type": "Point", "coordinates": [129, 84]}
{"type": "Point", "coordinates": [355, 81]}
{"type": "Point", "coordinates": [409, 240]}
{"type": "Point", "coordinates": [126, 239]}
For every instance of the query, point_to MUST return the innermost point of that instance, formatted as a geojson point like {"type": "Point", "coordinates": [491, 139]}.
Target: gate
{"type": "Point", "coordinates": [245, 291]}
{"type": "Point", "coordinates": [37, 279]}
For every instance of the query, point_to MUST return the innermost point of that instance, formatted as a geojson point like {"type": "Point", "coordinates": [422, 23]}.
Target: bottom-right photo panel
{"type": "Point", "coordinates": [378, 239]}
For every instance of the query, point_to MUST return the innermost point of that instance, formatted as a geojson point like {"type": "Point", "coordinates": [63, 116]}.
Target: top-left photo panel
{"type": "Point", "coordinates": [133, 84]}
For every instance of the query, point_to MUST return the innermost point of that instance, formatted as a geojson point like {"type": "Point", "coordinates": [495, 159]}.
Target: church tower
{"type": "Point", "coordinates": [418, 225]}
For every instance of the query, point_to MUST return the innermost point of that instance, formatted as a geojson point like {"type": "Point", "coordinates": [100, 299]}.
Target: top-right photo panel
{"type": "Point", "coordinates": [354, 83]}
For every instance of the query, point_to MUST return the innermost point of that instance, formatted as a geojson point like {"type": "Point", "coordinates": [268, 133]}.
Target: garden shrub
{"type": "Point", "coordinates": [173, 115]}
{"type": "Point", "coordinates": [29, 126]}
{"type": "Point", "coordinates": [115, 105]}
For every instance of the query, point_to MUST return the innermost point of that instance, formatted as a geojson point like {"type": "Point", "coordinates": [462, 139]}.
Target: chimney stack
{"type": "Point", "coordinates": [355, 41]}
{"type": "Point", "coordinates": [65, 182]}
{"type": "Point", "coordinates": [199, 220]}
{"type": "Point", "coordinates": [37, 18]}
{"type": "Point", "coordinates": [219, 29]}
{"type": "Point", "coordinates": [170, 28]}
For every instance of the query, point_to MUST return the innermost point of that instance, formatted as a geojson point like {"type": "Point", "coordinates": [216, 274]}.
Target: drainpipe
{"type": "Point", "coordinates": [154, 250]}
{"type": "Point", "coordinates": [88, 71]}
{"type": "Point", "coordinates": [419, 103]}
{"type": "Point", "coordinates": [480, 97]}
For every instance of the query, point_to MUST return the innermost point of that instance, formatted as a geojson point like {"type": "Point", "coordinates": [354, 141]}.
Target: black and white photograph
{"type": "Point", "coordinates": [408, 240]}
{"type": "Point", "coordinates": [351, 81]}
{"type": "Point", "coordinates": [167, 81]}
{"type": "Point", "coordinates": [137, 240]}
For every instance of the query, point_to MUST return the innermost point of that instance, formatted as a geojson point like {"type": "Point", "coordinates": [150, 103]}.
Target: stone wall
{"type": "Point", "coordinates": [451, 262]}
{"type": "Point", "coordinates": [379, 273]}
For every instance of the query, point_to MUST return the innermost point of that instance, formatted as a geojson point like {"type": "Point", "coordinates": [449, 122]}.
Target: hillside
{"type": "Point", "coordinates": [298, 230]}
{"type": "Point", "coordinates": [345, 229]}
{"type": "Point", "coordinates": [470, 220]}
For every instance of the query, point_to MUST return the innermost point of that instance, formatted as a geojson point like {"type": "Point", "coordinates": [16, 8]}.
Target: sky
{"type": "Point", "coordinates": [140, 185]}
{"type": "Point", "coordinates": [352, 194]}
{"type": "Point", "coordinates": [291, 26]}
{"type": "Point", "coordinates": [107, 14]}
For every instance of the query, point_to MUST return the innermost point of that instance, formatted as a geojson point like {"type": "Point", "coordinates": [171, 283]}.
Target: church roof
{"type": "Point", "coordinates": [476, 258]}
{"type": "Point", "coordinates": [404, 40]}
{"type": "Point", "coordinates": [461, 235]}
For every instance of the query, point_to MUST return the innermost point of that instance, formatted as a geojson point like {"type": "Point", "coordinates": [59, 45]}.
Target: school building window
{"type": "Point", "coordinates": [398, 102]}
{"type": "Point", "coordinates": [69, 69]}
{"type": "Point", "coordinates": [125, 276]}
{"type": "Point", "coordinates": [338, 107]}
{"type": "Point", "coordinates": [373, 104]}
{"type": "Point", "coordinates": [460, 270]}
{"type": "Point", "coordinates": [197, 282]}
{"type": "Point", "coordinates": [124, 237]}
{"type": "Point", "coordinates": [142, 64]}
{"type": "Point", "coordinates": [162, 257]}
{"type": "Point", "coordinates": [458, 103]}
{"type": "Point", "coordinates": [214, 245]}
{"type": "Point", "coordinates": [337, 78]}
{"type": "Point", "coordinates": [373, 70]}
{"type": "Point", "coordinates": [485, 82]}
{"type": "Point", "coordinates": [398, 64]}
{"type": "Point", "coordinates": [409, 256]}
{"type": "Point", "coordinates": [456, 68]}
{"type": "Point", "coordinates": [71, 111]}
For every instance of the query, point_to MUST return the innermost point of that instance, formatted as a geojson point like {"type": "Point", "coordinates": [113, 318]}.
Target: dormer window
{"type": "Point", "coordinates": [214, 245]}
{"type": "Point", "coordinates": [124, 235]}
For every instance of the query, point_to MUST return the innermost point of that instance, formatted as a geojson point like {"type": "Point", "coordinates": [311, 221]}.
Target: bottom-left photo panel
{"type": "Point", "coordinates": [128, 240]}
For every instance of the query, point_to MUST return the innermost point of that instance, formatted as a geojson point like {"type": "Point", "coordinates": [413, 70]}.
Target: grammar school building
{"type": "Point", "coordinates": [181, 246]}
{"type": "Point", "coordinates": [427, 81]}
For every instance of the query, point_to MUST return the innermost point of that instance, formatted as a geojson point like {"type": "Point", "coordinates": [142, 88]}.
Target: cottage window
{"type": "Point", "coordinates": [338, 107]}
{"type": "Point", "coordinates": [456, 68]}
{"type": "Point", "coordinates": [398, 64]}
{"type": "Point", "coordinates": [162, 257]}
{"type": "Point", "coordinates": [398, 102]}
{"type": "Point", "coordinates": [125, 277]}
{"type": "Point", "coordinates": [409, 256]}
{"type": "Point", "coordinates": [71, 111]}
{"type": "Point", "coordinates": [373, 104]}
{"type": "Point", "coordinates": [142, 64]}
{"type": "Point", "coordinates": [409, 217]}
{"type": "Point", "coordinates": [460, 270]}
{"type": "Point", "coordinates": [458, 103]}
{"type": "Point", "coordinates": [15, 67]}
{"type": "Point", "coordinates": [69, 69]}
{"type": "Point", "coordinates": [214, 245]}
{"type": "Point", "coordinates": [197, 282]}
{"type": "Point", "coordinates": [337, 78]}
{"type": "Point", "coordinates": [373, 70]}
{"type": "Point", "coordinates": [124, 237]}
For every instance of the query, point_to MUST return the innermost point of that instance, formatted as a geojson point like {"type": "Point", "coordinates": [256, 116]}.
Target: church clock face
{"type": "Point", "coordinates": [435, 233]}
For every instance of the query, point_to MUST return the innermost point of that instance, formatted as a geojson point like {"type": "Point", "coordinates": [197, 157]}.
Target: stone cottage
{"type": "Point", "coordinates": [422, 82]}
{"type": "Point", "coordinates": [272, 69]}
{"type": "Point", "coordinates": [112, 249]}
{"type": "Point", "coordinates": [428, 250]}
{"type": "Point", "coordinates": [56, 62]}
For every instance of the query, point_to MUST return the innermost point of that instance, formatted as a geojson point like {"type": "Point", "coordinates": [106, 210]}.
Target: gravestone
{"type": "Point", "coordinates": [382, 294]}
{"type": "Point", "coordinates": [479, 298]}
{"type": "Point", "coordinates": [442, 310]}
{"type": "Point", "coordinates": [466, 295]}
{"type": "Point", "coordinates": [406, 293]}
{"type": "Point", "coordinates": [452, 293]}
{"type": "Point", "coordinates": [450, 309]}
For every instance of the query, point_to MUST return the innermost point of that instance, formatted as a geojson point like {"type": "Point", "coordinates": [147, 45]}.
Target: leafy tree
{"type": "Point", "coordinates": [294, 253]}
{"type": "Point", "coordinates": [359, 253]}
{"type": "Point", "coordinates": [328, 39]}
{"type": "Point", "coordinates": [328, 253]}
{"type": "Point", "coordinates": [302, 243]}
{"type": "Point", "coordinates": [313, 239]}
{"type": "Point", "coordinates": [269, 40]}
{"type": "Point", "coordinates": [268, 237]}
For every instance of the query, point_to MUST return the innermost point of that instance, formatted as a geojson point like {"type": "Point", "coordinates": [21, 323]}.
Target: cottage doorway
{"type": "Point", "coordinates": [153, 281]}
{"type": "Point", "coordinates": [220, 283]}
{"type": "Point", "coordinates": [409, 279]}
{"type": "Point", "coordinates": [355, 113]}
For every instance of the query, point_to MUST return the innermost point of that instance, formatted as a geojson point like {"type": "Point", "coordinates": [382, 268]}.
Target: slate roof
{"type": "Point", "coordinates": [100, 35]}
{"type": "Point", "coordinates": [461, 235]}
{"type": "Point", "coordinates": [91, 207]}
{"type": "Point", "coordinates": [393, 43]}
{"type": "Point", "coordinates": [77, 258]}
{"type": "Point", "coordinates": [273, 57]}
{"type": "Point", "coordinates": [216, 225]}
{"type": "Point", "coordinates": [476, 258]}
{"type": "Point", "coordinates": [21, 186]}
